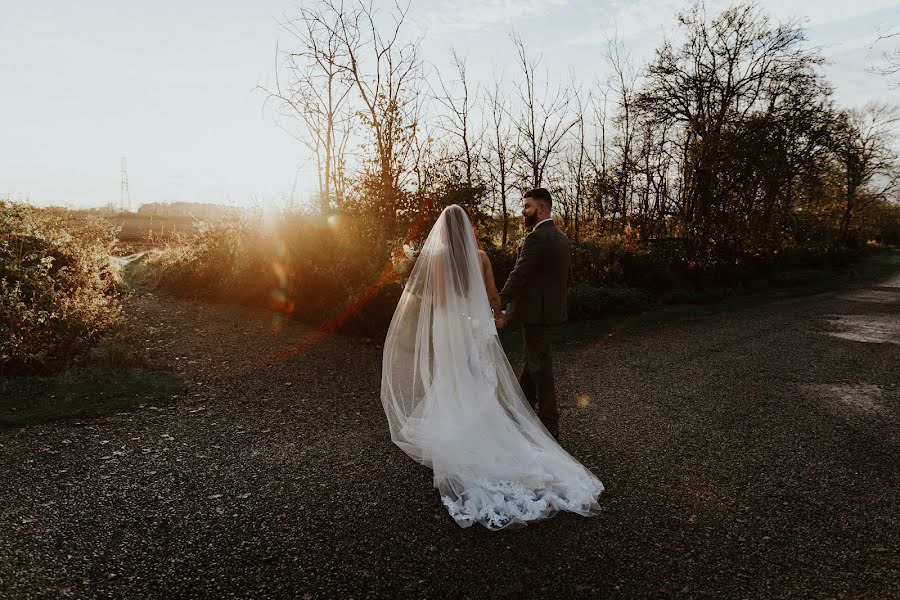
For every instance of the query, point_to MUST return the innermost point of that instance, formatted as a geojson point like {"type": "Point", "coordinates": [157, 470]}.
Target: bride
{"type": "Point", "coordinates": [452, 400]}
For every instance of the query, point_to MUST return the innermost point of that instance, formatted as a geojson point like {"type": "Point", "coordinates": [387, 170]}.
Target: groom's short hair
{"type": "Point", "coordinates": [541, 195]}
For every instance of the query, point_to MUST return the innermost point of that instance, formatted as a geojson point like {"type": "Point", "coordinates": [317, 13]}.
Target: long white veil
{"type": "Point", "coordinates": [453, 402]}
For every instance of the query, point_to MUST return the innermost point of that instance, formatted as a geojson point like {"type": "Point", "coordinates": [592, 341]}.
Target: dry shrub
{"type": "Point", "coordinates": [57, 287]}
{"type": "Point", "coordinates": [297, 265]}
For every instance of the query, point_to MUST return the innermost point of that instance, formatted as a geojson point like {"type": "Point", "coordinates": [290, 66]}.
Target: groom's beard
{"type": "Point", "coordinates": [530, 220]}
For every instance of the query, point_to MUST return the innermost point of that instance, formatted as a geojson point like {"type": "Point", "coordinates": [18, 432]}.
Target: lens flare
{"type": "Point", "coordinates": [280, 271]}
{"type": "Point", "coordinates": [284, 306]}
{"type": "Point", "coordinates": [582, 400]}
{"type": "Point", "coordinates": [277, 323]}
{"type": "Point", "coordinates": [280, 300]}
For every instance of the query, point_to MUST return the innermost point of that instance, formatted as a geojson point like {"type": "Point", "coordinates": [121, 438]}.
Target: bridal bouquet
{"type": "Point", "coordinates": [403, 259]}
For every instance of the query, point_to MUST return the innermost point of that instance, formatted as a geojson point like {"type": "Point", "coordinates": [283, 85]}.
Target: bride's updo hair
{"type": "Point", "coordinates": [459, 247]}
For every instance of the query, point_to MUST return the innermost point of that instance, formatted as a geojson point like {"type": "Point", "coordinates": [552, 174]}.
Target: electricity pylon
{"type": "Point", "coordinates": [125, 200]}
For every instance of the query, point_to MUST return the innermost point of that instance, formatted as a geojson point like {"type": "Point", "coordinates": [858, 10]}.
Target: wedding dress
{"type": "Point", "coordinates": [453, 402]}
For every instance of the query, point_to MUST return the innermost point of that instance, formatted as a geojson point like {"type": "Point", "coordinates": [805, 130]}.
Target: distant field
{"type": "Point", "coordinates": [141, 232]}
{"type": "Point", "coordinates": [135, 226]}
{"type": "Point", "coordinates": [145, 230]}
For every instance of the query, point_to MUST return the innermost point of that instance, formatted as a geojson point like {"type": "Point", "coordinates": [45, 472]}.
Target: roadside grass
{"type": "Point", "coordinates": [781, 285]}
{"type": "Point", "coordinates": [111, 377]}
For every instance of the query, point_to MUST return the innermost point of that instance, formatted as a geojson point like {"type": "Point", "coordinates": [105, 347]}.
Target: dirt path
{"type": "Point", "coordinates": [751, 454]}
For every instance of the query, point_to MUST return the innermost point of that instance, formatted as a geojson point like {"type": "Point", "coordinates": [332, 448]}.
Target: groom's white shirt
{"type": "Point", "coordinates": [541, 223]}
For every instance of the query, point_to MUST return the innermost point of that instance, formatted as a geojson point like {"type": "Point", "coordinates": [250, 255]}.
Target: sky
{"type": "Point", "coordinates": [171, 85]}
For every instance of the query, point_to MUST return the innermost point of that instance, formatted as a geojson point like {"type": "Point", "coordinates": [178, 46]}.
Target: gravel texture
{"type": "Point", "coordinates": [749, 454]}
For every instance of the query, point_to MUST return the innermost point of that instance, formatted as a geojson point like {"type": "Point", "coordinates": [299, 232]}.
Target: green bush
{"type": "Point", "coordinates": [598, 260]}
{"type": "Point", "coordinates": [370, 312]}
{"type": "Point", "coordinates": [57, 287]}
{"type": "Point", "coordinates": [503, 259]}
{"type": "Point", "coordinates": [590, 302]}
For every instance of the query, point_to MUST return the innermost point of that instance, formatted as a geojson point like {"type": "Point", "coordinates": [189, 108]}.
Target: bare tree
{"type": "Point", "coordinates": [891, 56]}
{"type": "Point", "coordinates": [543, 122]}
{"type": "Point", "coordinates": [727, 86]}
{"type": "Point", "coordinates": [576, 166]}
{"type": "Point", "coordinates": [385, 72]}
{"type": "Point", "coordinates": [868, 162]}
{"type": "Point", "coordinates": [458, 100]}
{"type": "Point", "coordinates": [623, 85]}
{"type": "Point", "coordinates": [316, 94]}
{"type": "Point", "coordinates": [500, 151]}
{"type": "Point", "coordinates": [598, 158]}
{"type": "Point", "coordinates": [424, 160]}
{"type": "Point", "coordinates": [389, 89]}
{"type": "Point", "coordinates": [726, 144]}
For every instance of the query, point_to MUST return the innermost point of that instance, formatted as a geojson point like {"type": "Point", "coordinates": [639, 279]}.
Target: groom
{"type": "Point", "coordinates": [536, 293]}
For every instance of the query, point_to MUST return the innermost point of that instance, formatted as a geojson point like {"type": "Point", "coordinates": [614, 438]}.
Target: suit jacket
{"type": "Point", "coordinates": [537, 288]}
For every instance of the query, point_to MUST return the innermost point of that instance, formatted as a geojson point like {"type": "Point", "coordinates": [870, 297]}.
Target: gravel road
{"type": "Point", "coordinates": [751, 454]}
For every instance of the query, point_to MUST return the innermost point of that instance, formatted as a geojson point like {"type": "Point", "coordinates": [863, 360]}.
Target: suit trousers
{"type": "Point", "coordinates": [537, 376]}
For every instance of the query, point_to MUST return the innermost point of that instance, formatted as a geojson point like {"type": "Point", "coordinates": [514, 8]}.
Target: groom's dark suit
{"type": "Point", "coordinates": [536, 292]}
